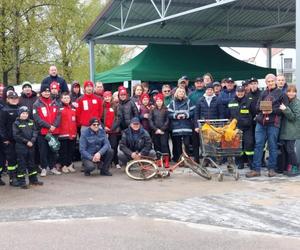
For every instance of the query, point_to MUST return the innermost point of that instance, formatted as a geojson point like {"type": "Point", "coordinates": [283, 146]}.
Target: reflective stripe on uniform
{"type": "Point", "coordinates": [249, 152]}
{"type": "Point", "coordinates": [22, 126]}
{"type": "Point", "coordinates": [33, 173]}
{"type": "Point", "coordinates": [244, 111]}
{"type": "Point", "coordinates": [11, 168]}
{"type": "Point", "coordinates": [230, 105]}
{"type": "Point", "coordinates": [20, 175]}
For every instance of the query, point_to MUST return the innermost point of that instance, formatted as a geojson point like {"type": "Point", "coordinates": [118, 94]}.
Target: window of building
{"type": "Point", "coordinates": [288, 77]}
{"type": "Point", "coordinates": [288, 63]}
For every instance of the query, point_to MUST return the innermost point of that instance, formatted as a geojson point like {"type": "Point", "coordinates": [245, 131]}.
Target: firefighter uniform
{"type": "Point", "coordinates": [240, 109]}
{"type": "Point", "coordinates": [24, 131]}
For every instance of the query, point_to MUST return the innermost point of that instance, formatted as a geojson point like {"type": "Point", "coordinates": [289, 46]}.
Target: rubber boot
{"type": "Point", "coordinates": [13, 181]}
{"type": "Point", "coordinates": [22, 183]}
{"type": "Point", "coordinates": [2, 183]}
{"type": "Point", "coordinates": [166, 161]}
{"type": "Point", "coordinates": [33, 180]}
{"type": "Point", "coordinates": [250, 161]}
{"type": "Point", "coordinates": [239, 162]}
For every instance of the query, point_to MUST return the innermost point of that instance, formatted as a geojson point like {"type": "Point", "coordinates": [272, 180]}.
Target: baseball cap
{"type": "Point", "coordinates": [23, 109]}
{"type": "Point", "coordinates": [135, 120]}
{"type": "Point", "coordinates": [229, 79]}
{"type": "Point", "coordinates": [216, 84]}
{"type": "Point", "coordinates": [12, 95]}
{"type": "Point", "coordinates": [93, 120]}
{"type": "Point", "coordinates": [199, 79]}
{"type": "Point", "coordinates": [240, 89]}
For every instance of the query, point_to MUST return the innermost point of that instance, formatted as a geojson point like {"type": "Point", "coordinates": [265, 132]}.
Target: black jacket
{"type": "Point", "coordinates": [158, 119]}
{"type": "Point", "coordinates": [240, 109]}
{"type": "Point", "coordinates": [24, 131]}
{"type": "Point", "coordinates": [28, 101]}
{"type": "Point", "coordinates": [204, 112]}
{"type": "Point", "coordinates": [8, 115]}
{"type": "Point", "coordinates": [62, 83]}
{"type": "Point", "coordinates": [277, 97]}
{"type": "Point", "coordinates": [126, 111]}
{"type": "Point", "coordinates": [140, 142]}
{"type": "Point", "coordinates": [254, 96]}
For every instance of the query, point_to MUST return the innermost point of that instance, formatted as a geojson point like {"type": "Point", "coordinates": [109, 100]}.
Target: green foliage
{"type": "Point", "coordinates": [35, 34]}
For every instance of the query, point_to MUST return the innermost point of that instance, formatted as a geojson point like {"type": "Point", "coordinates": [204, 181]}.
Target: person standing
{"type": "Point", "coordinates": [290, 130]}
{"type": "Point", "coordinates": [89, 106]}
{"type": "Point", "coordinates": [46, 115]}
{"type": "Point", "coordinates": [8, 115]}
{"type": "Point", "coordinates": [127, 109]}
{"type": "Point", "coordinates": [67, 134]}
{"type": "Point", "coordinates": [54, 77]}
{"type": "Point", "coordinates": [111, 124]}
{"type": "Point", "coordinates": [95, 149]}
{"type": "Point", "coordinates": [145, 111]}
{"type": "Point", "coordinates": [181, 112]}
{"type": "Point", "coordinates": [267, 127]}
{"type": "Point", "coordinates": [28, 97]}
{"type": "Point", "coordinates": [217, 88]}
{"type": "Point", "coordinates": [227, 95]}
{"type": "Point", "coordinates": [99, 89]}
{"type": "Point", "coordinates": [194, 98]}
{"type": "Point", "coordinates": [136, 97]}
{"type": "Point", "coordinates": [25, 135]}
{"type": "Point", "coordinates": [75, 93]}
{"type": "Point", "coordinates": [240, 109]}
{"type": "Point", "coordinates": [281, 83]}
{"type": "Point", "coordinates": [159, 124]}
{"type": "Point", "coordinates": [166, 91]}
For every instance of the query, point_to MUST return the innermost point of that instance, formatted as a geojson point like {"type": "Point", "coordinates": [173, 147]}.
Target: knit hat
{"type": "Point", "coordinates": [135, 120]}
{"type": "Point", "coordinates": [121, 87]}
{"type": "Point", "coordinates": [159, 96]}
{"type": "Point", "coordinates": [209, 86]}
{"type": "Point", "coordinates": [54, 85]}
{"type": "Point", "coordinates": [93, 120]}
{"type": "Point", "coordinates": [12, 94]}
{"type": "Point", "coordinates": [23, 109]}
{"type": "Point", "coordinates": [107, 94]}
{"type": "Point", "coordinates": [44, 88]}
{"type": "Point", "coordinates": [122, 91]}
{"type": "Point", "coordinates": [26, 84]}
{"type": "Point", "coordinates": [76, 84]}
{"type": "Point", "coordinates": [88, 83]}
{"type": "Point", "coordinates": [145, 96]}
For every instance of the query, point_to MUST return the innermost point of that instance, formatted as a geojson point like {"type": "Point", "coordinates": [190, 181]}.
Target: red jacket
{"type": "Point", "coordinates": [108, 115]}
{"type": "Point", "coordinates": [46, 113]}
{"type": "Point", "coordinates": [68, 126]}
{"type": "Point", "coordinates": [89, 106]}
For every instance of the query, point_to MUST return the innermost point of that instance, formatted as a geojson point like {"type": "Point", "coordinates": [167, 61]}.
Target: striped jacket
{"type": "Point", "coordinates": [181, 126]}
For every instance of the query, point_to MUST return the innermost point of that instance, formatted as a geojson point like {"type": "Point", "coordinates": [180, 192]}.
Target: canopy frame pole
{"type": "Point", "coordinates": [92, 59]}
{"type": "Point", "coordinates": [184, 13]}
{"type": "Point", "coordinates": [269, 57]}
{"type": "Point", "coordinates": [157, 10]}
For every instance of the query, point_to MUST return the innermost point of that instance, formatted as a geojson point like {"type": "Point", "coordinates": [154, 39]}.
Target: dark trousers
{"type": "Point", "coordinates": [175, 152]}
{"type": "Point", "coordinates": [47, 156]}
{"type": "Point", "coordinates": [161, 142]}
{"type": "Point", "coordinates": [196, 146]}
{"type": "Point", "coordinates": [104, 163]}
{"type": "Point", "coordinates": [114, 142]}
{"type": "Point", "coordinates": [178, 140]}
{"type": "Point", "coordinates": [2, 158]}
{"type": "Point", "coordinates": [11, 158]}
{"type": "Point", "coordinates": [124, 159]}
{"type": "Point", "coordinates": [66, 151]}
{"type": "Point", "coordinates": [25, 156]}
{"type": "Point", "coordinates": [289, 151]}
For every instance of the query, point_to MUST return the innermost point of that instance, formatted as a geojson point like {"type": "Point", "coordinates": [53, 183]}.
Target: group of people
{"type": "Point", "coordinates": [114, 128]}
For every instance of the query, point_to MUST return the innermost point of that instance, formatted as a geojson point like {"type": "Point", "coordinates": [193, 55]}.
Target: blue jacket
{"type": "Point", "coordinates": [204, 112]}
{"type": "Point", "coordinates": [90, 143]}
{"type": "Point", "coordinates": [225, 97]}
{"type": "Point", "coordinates": [181, 126]}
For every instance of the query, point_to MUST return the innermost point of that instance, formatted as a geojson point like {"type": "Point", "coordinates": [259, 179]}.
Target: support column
{"type": "Point", "coordinates": [269, 57]}
{"type": "Point", "coordinates": [298, 63]}
{"type": "Point", "coordinates": [92, 59]}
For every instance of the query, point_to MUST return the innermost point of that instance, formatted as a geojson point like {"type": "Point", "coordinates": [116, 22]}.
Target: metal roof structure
{"type": "Point", "coordinates": [242, 23]}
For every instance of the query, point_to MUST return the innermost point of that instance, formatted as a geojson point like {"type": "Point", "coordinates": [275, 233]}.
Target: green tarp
{"type": "Point", "coordinates": [166, 63]}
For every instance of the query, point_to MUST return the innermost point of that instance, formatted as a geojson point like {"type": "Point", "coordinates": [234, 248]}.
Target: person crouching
{"type": "Point", "coordinates": [25, 135]}
{"type": "Point", "coordinates": [95, 149]}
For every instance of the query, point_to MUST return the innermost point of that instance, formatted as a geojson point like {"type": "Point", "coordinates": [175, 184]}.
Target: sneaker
{"type": "Point", "coordinates": [252, 173]}
{"type": "Point", "coordinates": [43, 172]}
{"type": "Point", "coordinates": [118, 166]}
{"type": "Point", "coordinates": [55, 171]}
{"type": "Point", "coordinates": [271, 173]}
{"type": "Point", "coordinates": [71, 169]}
{"type": "Point", "coordinates": [65, 169]}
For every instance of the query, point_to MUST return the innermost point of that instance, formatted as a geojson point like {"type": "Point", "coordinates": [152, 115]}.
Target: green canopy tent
{"type": "Point", "coordinates": [167, 63]}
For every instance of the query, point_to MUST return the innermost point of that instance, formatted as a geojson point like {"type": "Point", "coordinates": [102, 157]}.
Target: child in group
{"type": "Point", "coordinates": [145, 111]}
{"type": "Point", "coordinates": [25, 135]}
{"type": "Point", "coordinates": [159, 124]}
{"type": "Point", "coordinates": [111, 124]}
{"type": "Point", "coordinates": [67, 134]}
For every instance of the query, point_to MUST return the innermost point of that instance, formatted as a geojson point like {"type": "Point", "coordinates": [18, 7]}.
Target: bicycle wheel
{"type": "Point", "coordinates": [198, 169]}
{"type": "Point", "coordinates": [141, 169]}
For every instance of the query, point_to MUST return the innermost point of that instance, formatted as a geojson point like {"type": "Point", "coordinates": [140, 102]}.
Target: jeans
{"type": "Point", "coordinates": [262, 134]}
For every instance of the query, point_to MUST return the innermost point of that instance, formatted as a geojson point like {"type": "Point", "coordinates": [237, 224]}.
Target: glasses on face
{"type": "Point", "coordinates": [95, 124]}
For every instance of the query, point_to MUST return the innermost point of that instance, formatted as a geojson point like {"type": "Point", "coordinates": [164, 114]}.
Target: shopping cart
{"type": "Point", "coordinates": [214, 146]}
